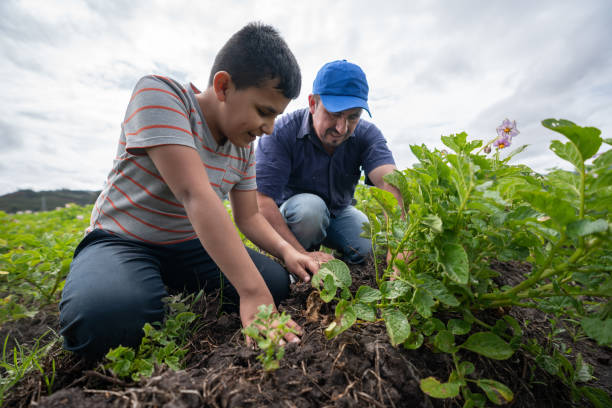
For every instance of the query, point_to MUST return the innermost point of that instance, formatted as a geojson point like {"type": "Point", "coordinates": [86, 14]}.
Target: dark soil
{"type": "Point", "coordinates": [358, 368]}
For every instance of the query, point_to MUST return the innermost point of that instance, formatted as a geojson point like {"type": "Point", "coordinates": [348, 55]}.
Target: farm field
{"type": "Point", "coordinates": [495, 291]}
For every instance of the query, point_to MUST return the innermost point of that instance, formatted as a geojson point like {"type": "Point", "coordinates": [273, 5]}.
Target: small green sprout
{"type": "Point", "coordinates": [268, 331]}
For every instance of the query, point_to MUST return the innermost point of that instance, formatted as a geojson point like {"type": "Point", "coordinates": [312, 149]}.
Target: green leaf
{"type": "Point", "coordinates": [434, 388]}
{"type": "Point", "coordinates": [586, 139]}
{"type": "Point", "coordinates": [340, 271]}
{"type": "Point", "coordinates": [596, 396]}
{"type": "Point", "coordinates": [346, 313]}
{"type": "Point", "coordinates": [434, 222]}
{"type": "Point", "coordinates": [345, 318]}
{"type": "Point", "coordinates": [559, 210]}
{"type": "Point", "coordinates": [581, 228]}
{"type": "Point", "coordinates": [394, 289]}
{"type": "Point", "coordinates": [489, 345]}
{"type": "Point", "coordinates": [432, 325]}
{"type": "Point", "coordinates": [599, 330]}
{"type": "Point", "coordinates": [423, 302]}
{"type": "Point", "coordinates": [387, 200]}
{"type": "Point", "coordinates": [437, 290]}
{"type": "Point", "coordinates": [497, 392]}
{"type": "Point", "coordinates": [367, 294]}
{"type": "Point", "coordinates": [604, 160]}
{"type": "Point", "coordinates": [397, 324]}
{"type": "Point", "coordinates": [516, 328]}
{"type": "Point", "coordinates": [455, 261]}
{"type": "Point", "coordinates": [569, 152]}
{"type": "Point", "coordinates": [456, 142]}
{"type": "Point", "coordinates": [414, 341]}
{"type": "Point", "coordinates": [445, 341]}
{"type": "Point", "coordinates": [459, 327]}
{"type": "Point", "coordinates": [583, 371]}
{"type": "Point", "coordinates": [365, 312]}
{"type": "Point", "coordinates": [466, 368]}
{"type": "Point", "coordinates": [329, 288]}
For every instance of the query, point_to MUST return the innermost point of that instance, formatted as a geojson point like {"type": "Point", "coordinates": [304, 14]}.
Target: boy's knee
{"type": "Point", "coordinates": [91, 325]}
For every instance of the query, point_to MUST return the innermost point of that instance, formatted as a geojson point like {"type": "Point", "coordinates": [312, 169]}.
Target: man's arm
{"type": "Point", "coordinates": [269, 210]}
{"type": "Point", "coordinates": [181, 168]}
{"type": "Point", "coordinates": [255, 227]}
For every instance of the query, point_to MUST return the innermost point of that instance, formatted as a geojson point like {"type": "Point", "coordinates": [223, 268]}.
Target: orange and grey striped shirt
{"type": "Point", "coordinates": [135, 202]}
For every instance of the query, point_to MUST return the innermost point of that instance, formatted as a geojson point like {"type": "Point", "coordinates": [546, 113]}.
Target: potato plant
{"type": "Point", "coordinates": [35, 254]}
{"type": "Point", "coordinates": [268, 330]}
{"type": "Point", "coordinates": [460, 211]}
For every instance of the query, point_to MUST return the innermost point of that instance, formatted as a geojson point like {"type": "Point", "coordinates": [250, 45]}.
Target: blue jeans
{"type": "Point", "coordinates": [310, 221]}
{"type": "Point", "coordinates": [115, 286]}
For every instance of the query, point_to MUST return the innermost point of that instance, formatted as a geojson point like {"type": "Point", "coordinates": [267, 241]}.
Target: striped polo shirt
{"type": "Point", "coordinates": [135, 202]}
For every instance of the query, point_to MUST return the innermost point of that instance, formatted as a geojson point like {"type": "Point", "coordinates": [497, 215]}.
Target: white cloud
{"type": "Point", "coordinates": [434, 68]}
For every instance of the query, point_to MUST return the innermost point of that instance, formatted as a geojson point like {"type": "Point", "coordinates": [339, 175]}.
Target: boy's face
{"type": "Point", "coordinates": [251, 112]}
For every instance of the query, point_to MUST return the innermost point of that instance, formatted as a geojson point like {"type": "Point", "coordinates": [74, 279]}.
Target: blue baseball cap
{"type": "Point", "coordinates": [342, 85]}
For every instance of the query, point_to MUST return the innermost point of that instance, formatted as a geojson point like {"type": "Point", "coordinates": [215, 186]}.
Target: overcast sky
{"type": "Point", "coordinates": [434, 68]}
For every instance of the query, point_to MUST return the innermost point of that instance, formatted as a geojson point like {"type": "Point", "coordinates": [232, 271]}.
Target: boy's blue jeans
{"type": "Point", "coordinates": [309, 219]}
{"type": "Point", "coordinates": [115, 286]}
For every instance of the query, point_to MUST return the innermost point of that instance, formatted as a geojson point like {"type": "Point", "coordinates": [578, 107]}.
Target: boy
{"type": "Point", "coordinates": [160, 221]}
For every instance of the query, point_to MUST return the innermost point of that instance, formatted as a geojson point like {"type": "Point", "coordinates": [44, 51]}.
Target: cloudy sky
{"type": "Point", "coordinates": [434, 68]}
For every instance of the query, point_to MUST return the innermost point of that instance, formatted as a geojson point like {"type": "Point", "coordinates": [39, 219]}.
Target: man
{"type": "Point", "coordinates": [308, 168]}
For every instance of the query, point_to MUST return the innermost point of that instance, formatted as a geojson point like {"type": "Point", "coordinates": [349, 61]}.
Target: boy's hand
{"type": "Point", "coordinates": [300, 264]}
{"type": "Point", "coordinates": [248, 309]}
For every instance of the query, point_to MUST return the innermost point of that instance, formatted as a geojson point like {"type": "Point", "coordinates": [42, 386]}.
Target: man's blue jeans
{"type": "Point", "coordinates": [115, 286]}
{"type": "Point", "coordinates": [309, 219]}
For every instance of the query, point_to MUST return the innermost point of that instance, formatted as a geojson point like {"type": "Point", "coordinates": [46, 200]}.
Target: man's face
{"type": "Point", "coordinates": [251, 112]}
{"type": "Point", "coordinates": [332, 128]}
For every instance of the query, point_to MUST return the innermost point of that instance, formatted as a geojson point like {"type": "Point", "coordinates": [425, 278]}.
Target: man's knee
{"type": "Point", "coordinates": [307, 217]}
{"type": "Point", "coordinates": [359, 253]}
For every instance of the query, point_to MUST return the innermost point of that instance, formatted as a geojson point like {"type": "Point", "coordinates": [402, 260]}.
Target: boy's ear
{"type": "Point", "coordinates": [222, 82]}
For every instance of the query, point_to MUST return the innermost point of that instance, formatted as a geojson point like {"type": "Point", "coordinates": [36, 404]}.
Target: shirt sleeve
{"type": "Point", "coordinates": [374, 152]}
{"type": "Point", "coordinates": [157, 114]}
{"type": "Point", "coordinates": [248, 182]}
{"type": "Point", "coordinates": [274, 163]}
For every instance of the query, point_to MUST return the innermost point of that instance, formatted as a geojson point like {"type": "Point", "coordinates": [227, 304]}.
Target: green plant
{"type": "Point", "coordinates": [268, 330]}
{"type": "Point", "coordinates": [35, 254]}
{"type": "Point", "coordinates": [464, 209]}
{"type": "Point", "coordinates": [21, 361]}
{"type": "Point", "coordinates": [163, 345]}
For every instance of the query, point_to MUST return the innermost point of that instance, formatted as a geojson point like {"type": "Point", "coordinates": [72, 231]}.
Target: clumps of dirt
{"type": "Point", "coordinates": [358, 368]}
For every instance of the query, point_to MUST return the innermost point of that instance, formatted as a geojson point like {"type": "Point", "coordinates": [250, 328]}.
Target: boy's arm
{"type": "Point", "coordinates": [182, 169]}
{"type": "Point", "coordinates": [271, 213]}
{"type": "Point", "coordinates": [256, 227]}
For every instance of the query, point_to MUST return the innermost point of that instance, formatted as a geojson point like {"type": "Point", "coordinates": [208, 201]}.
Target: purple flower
{"type": "Point", "coordinates": [507, 129]}
{"type": "Point", "coordinates": [503, 141]}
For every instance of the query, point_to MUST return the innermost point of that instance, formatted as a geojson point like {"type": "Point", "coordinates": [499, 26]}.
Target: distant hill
{"type": "Point", "coordinates": [23, 200]}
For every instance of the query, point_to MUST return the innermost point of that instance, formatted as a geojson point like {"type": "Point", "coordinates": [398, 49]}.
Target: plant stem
{"type": "Point", "coordinates": [537, 276]}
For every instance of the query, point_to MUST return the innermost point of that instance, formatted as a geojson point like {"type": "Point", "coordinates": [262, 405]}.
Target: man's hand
{"type": "Point", "coordinates": [300, 264]}
{"type": "Point", "coordinates": [248, 310]}
{"type": "Point", "coordinates": [319, 257]}
{"type": "Point", "coordinates": [405, 256]}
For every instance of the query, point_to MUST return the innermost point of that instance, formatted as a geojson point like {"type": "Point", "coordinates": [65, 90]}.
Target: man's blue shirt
{"type": "Point", "coordinates": [292, 160]}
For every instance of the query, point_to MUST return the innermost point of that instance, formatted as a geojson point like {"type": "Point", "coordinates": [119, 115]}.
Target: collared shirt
{"type": "Point", "coordinates": [292, 160]}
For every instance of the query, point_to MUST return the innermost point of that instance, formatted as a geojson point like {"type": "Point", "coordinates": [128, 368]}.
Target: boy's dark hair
{"type": "Point", "coordinates": [255, 54]}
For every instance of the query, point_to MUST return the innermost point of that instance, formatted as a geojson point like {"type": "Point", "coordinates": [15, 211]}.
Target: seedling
{"type": "Point", "coordinates": [268, 331]}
